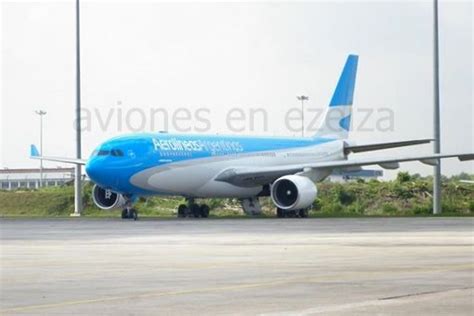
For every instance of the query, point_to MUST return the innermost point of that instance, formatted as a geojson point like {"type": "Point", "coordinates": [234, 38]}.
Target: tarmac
{"type": "Point", "coordinates": [316, 266]}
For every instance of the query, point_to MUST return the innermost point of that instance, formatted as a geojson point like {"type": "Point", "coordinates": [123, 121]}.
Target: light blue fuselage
{"type": "Point", "coordinates": [174, 164]}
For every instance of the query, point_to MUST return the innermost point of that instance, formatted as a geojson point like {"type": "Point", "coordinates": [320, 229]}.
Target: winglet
{"type": "Point", "coordinates": [34, 151]}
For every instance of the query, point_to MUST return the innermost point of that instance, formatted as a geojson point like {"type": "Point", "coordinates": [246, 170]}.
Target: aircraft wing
{"type": "Point", "coordinates": [252, 176]}
{"type": "Point", "coordinates": [379, 146]}
{"type": "Point", "coordinates": [34, 154]}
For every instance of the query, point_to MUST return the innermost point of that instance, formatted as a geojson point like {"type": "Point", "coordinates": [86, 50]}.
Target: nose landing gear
{"type": "Point", "coordinates": [129, 212]}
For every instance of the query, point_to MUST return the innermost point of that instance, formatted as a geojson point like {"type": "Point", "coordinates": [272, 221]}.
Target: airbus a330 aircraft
{"type": "Point", "coordinates": [204, 166]}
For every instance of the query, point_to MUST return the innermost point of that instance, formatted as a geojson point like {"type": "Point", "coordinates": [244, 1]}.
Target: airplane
{"type": "Point", "coordinates": [196, 166]}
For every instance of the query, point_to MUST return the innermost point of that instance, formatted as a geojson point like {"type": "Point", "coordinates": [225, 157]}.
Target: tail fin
{"type": "Point", "coordinates": [337, 120]}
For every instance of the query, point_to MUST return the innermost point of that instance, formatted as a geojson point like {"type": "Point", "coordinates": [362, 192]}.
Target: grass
{"type": "Point", "coordinates": [406, 196]}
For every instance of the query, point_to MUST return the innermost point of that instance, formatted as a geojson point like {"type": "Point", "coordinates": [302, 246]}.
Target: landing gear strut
{"type": "Point", "coordinates": [193, 209]}
{"type": "Point", "coordinates": [251, 206]}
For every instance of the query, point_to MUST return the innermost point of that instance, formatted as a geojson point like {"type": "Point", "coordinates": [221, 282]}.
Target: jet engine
{"type": "Point", "coordinates": [293, 192]}
{"type": "Point", "coordinates": [106, 199]}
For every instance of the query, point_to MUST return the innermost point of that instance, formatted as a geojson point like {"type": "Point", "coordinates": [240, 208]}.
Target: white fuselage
{"type": "Point", "coordinates": [196, 177]}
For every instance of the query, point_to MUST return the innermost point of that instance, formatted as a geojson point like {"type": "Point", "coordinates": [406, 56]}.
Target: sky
{"type": "Point", "coordinates": [187, 66]}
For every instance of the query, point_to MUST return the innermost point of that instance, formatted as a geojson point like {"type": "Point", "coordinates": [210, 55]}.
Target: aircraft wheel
{"type": "Point", "coordinates": [303, 213]}
{"type": "Point", "coordinates": [133, 214]}
{"type": "Point", "coordinates": [195, 210]}
{"type": "Point", "coordinates": [182, 210]}
{"type": "Point", "coordinates": [204, 209]}
{"type": "Point", "coordinates": [125, 214]}
{"type": "Point", "coordinates": [280, 213]}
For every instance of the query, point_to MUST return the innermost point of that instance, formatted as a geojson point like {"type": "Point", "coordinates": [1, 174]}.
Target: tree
{"type": "Point", "coordinates": [403, 177]}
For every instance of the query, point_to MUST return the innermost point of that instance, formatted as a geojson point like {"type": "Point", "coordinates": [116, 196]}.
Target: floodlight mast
{"type": "Point", "coordinates": [78, 171]}
{"type": "Point", "coordinates": [302, 98]}
{"type": "Point", "coordinates": [436, 114]}
{"type": "Point", "coordinates": [41, 113]}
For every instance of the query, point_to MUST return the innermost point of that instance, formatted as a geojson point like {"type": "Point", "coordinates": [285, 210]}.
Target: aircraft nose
{"type": "Point", "coordinates": [93, 170]}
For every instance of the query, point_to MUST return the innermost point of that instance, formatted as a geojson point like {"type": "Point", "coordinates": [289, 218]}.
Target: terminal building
{"type": "Point", "coordinates": [11, 179]}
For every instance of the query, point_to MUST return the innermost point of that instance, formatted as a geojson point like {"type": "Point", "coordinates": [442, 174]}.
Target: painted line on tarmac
{"type": "Point", "coordinates": [283, 281]}
{"type": "Point", "coordinates": [399, 300]}
{"type": "Point", "coordinates": [154, 294]}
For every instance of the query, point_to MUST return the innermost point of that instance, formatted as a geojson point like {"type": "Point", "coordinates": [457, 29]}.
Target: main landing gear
{"type": "Point", "coordinates": [302, 213]}
{"type": "Point", "coordinates": [192, 209]}
{"type": "Point", "coordinates": [251, 206]}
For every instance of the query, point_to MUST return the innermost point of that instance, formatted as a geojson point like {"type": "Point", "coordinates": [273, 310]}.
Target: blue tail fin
{"type": "Point", "coordinates": [344, 93]}
{"type": "Point", "coordinates": [337, 120]}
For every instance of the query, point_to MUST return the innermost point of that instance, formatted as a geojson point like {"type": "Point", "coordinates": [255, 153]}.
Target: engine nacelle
{"type": "Point", "coordinates": [293, 192]}
{"type": "Point", "coordinates": [106, 199]}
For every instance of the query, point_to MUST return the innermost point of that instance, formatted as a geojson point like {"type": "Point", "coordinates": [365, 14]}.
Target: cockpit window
{"type": "Point", "coordinates": [112, 152]}
{"type": "Point", "coordinates": [116, 152]}
{"type": "Point", "coordinates": [103, 153]}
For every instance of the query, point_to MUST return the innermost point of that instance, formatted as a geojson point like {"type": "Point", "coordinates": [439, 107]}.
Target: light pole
{"type": "Point", "coordinates": [436, 115]}
{"type": "Point", "coordinates": [41, 113]}
{"type": "Point", "coordinates": [302, 98]}
{"type": "Point", "coordinates": [78, 172]}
